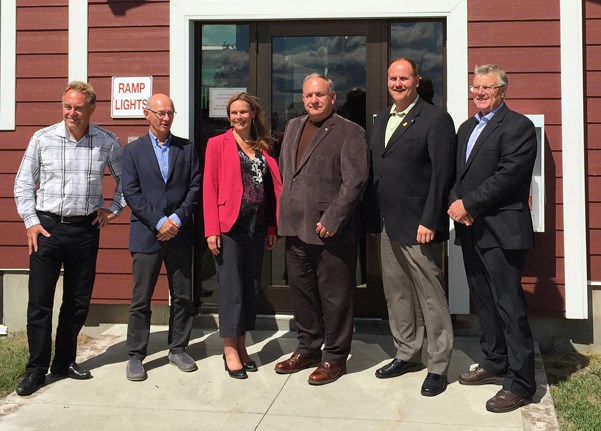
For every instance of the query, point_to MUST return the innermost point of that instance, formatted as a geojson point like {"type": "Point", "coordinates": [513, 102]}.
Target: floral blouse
{"type": "Point", "coordinates": [255, 200]}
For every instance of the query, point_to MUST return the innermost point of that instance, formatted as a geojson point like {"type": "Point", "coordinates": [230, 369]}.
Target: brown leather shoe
{"type": "Point", "coordinates": [479, 376]}
{"type": "Point", "coordinates": [326, 373]}
{"type": "Point", "coordinates": [295, 363]}
{"type": "Point", "coordinates": [505, 401]}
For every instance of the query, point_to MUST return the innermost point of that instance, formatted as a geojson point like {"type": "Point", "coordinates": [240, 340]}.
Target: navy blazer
{"type": "Point", "coordinates": [411, 177]}
{"type": "Point", "coordinates": [494, 182]}
{"type": "Point", "coordinates": [150, 197]}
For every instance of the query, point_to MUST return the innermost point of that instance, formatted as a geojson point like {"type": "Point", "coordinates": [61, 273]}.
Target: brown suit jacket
{"type": "Point", "coordinates": [328, 184]}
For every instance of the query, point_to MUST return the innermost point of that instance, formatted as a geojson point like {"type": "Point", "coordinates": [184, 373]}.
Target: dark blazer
{"type": "Point", "coordinates": [327, 185]}
{"type": "Point", "coordinates": [150, 198]}
{"type": "Point", "coordinates": [411, 177]}
{"type": "Point", "coordinates": [494, 182]}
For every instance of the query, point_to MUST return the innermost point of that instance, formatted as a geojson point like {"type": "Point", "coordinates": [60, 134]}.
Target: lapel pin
{"type": "Point", "coordinates": [405, 124]}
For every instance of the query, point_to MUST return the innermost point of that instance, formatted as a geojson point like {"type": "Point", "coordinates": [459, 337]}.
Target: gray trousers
{"type": "Point", "coordinates": [416, 300]}
{"type": "Point", "coordinates": [146, 268]}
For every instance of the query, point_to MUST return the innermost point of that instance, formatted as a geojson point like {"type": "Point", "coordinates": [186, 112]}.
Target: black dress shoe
{"type": "Point", "coordinates": [397, 368]}
{"type": "Point", "coordinates": [73, 371]}
{"type": "Point", "coordinates": [250, 366]}
{"type": "Point", "coordinates": [235, 374]}
{"type": "Point", "coordinates": [434, 384]}
{"type": "Point", "coordinates": [30, 383]}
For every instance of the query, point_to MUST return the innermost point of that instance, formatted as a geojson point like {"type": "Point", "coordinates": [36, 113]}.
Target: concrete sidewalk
{"type": "Point", "coordinates": [209, 399]}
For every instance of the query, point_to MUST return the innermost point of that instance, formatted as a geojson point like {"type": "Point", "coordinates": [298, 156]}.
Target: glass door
{"type": "Point", "coordinates": [287, 52]}
{"type": "Point", "coordinates": [270, 60]}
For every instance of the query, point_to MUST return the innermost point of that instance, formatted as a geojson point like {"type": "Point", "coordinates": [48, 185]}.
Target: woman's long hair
{"type": "Point", "coordinates": [259, 133]}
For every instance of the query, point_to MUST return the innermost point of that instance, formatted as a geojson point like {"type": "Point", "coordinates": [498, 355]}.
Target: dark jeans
{"type": "Point", "coordinates": [146, 268]}
{"type": "Point", "coordinates": [75, 247]}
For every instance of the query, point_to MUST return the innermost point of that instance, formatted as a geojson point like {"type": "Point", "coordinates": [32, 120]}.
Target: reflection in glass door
{"type": "Point", "coordinates": [341, 58]}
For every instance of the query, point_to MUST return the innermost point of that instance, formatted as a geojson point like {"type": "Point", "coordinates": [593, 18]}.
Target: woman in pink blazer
{"type": "Point", "coordinates": [241, 193]}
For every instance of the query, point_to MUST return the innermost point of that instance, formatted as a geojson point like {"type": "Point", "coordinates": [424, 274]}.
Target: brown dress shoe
{"type": "Point", "coordinates": [479, 376]}
{"type": "Point", "coordinates": [505, 401]}
{"type": "Point", "coordinates": [326, 373]}
{"type": "Point", "coordinates": [295, 363]}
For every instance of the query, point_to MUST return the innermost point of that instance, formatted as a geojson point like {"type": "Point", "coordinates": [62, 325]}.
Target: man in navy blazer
{"type": "Point", "coordinates": [161, 184]}
{"type": "Point", "coordinates": [489, 204]}
{"type": "Point", "coordinates": [412, 153]}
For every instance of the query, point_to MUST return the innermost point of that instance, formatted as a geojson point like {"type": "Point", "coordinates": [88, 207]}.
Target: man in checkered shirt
{"type": "Point", "coordinates": [58, 192]}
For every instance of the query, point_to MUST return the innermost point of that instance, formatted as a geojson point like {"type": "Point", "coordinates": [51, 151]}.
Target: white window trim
{"type": "Point", "coordinates": [573, 147]}
{"type": "Point", "coordinates": [183, 13]}
{"type": "Point", "coordinates": [8, 63]}
{"type": "Point", "coordinates": [78, 41]}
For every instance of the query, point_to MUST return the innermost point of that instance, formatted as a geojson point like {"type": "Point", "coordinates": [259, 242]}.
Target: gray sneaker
{"type": "Point", "coordinates": [135, 370]}
{"type": "Point", "coordinates": [183, 361]}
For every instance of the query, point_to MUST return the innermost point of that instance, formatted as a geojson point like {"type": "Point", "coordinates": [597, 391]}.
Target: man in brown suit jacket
{"type": "Point", "coordinates": [324, 164]}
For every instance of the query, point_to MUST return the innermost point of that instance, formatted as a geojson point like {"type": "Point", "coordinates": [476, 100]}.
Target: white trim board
{"type": "Point", "coordinates": [573, 147]}
{"type": "Point", "coordinates": [78, 40]}
{"type": "Point", "coordinates": [8, 64]}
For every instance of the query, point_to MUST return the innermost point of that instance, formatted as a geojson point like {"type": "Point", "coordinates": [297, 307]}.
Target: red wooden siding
{"type": "Point", "coordinates": [132, 38]}
{"type": "Point", "coordinates": [124, 38]}
{"type": "Point", "coordinates": [526, 42]}
{"type": "Point", "coordinates": [129, 38]}
{"type": "Point", "coordinates": [592, 13]}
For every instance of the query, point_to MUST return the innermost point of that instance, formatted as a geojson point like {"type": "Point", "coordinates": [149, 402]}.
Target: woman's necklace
{"type": "Point", "coordinates": [246, 145]}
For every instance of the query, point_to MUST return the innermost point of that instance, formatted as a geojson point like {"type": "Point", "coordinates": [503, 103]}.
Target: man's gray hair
{"type": "Point", "coordinates": [485, 69]}
{"type": "Point", "coordinates": [320, 76]}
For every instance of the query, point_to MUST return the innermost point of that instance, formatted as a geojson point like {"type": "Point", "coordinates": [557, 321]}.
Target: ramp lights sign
{"type": "Point", "coordinates": [129, 96]}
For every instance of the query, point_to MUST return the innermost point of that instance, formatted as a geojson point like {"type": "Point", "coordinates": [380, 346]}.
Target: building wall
{"type": "Point", "coordinates": [525, 41]}
{"type": "Point", "coordinates": [592, 11]}
{"type": "Point", "coordinates": [124, 39]}
{"type": "Point", "coordinates": [41, 70]}
{"type": "Point", "coordinates": [132, 39]}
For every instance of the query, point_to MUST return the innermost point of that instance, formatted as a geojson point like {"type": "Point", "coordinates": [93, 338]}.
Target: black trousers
{"type": "Point", "coordinates": [494, 277]}
{"type": "Point", "coordinates": [322, 282]}
{"type": "Point", "coordinates": [238, 276]}
{"type": "Point", "coordinates": [146, 268]}
{"type": "Point", "coordinates": [74, 247]}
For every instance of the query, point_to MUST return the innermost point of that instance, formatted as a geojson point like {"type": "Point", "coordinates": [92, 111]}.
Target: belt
{"type": "Point", "coordinates": [68, 219]}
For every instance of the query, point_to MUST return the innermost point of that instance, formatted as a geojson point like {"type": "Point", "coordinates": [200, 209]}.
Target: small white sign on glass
{"type": "Point", "coordinates": [218, 98]}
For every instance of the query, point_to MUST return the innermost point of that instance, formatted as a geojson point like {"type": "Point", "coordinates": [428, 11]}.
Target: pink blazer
{"type": "Point", "coordinates": [222, 184]}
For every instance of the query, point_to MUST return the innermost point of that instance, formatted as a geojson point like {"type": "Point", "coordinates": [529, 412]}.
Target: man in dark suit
{"type": "Point", "coordinates": [412, 153]}
{"type": "Point", "coordinates": [497, 151]}
{"type": "Point", "coordinates": [324, 168]}
{"type": "Point", "coordinates": [161, 183]}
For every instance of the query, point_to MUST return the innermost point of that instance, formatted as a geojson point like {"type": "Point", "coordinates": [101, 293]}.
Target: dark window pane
{"type": "Point", "coordinates": [224, 66]}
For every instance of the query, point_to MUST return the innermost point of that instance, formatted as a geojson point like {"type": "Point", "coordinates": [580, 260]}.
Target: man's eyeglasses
{"type": "Point", "coordinates": [162, 114]}
{"type": "Point", "coordinates": [485, 88]}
